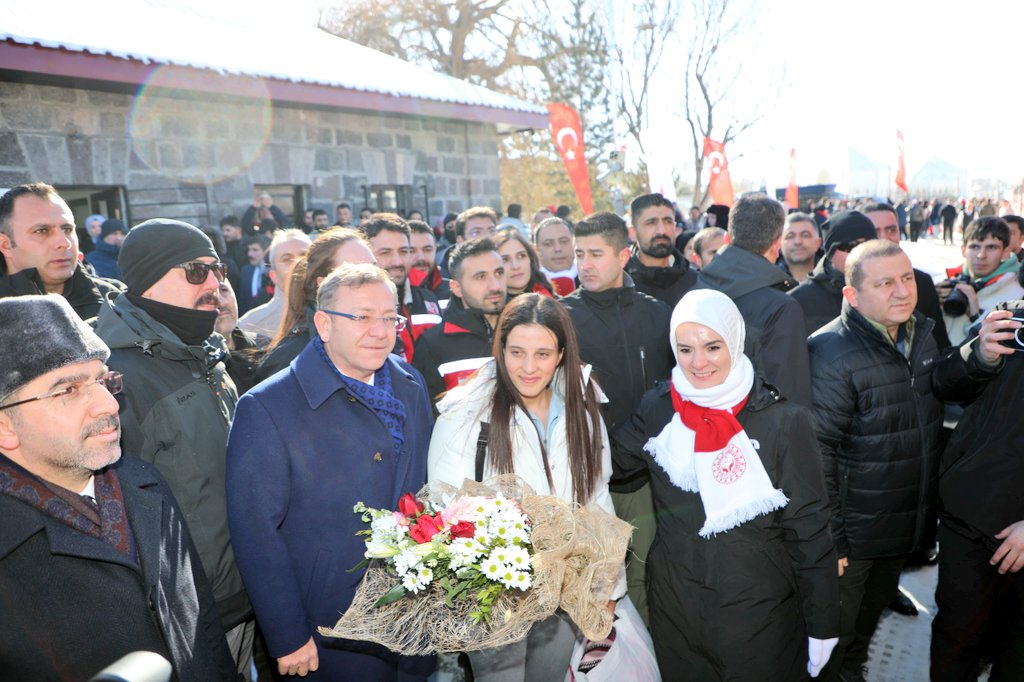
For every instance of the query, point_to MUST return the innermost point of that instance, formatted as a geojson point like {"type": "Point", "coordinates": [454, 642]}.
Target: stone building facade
{"type": "Point", "coordinates": [198, 157]}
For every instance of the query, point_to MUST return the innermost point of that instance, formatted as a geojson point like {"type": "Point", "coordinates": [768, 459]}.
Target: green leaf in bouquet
{"type": "Point", "coordinates": [362, 564]}
{"type": "Point", "coordinates": [392, 595]}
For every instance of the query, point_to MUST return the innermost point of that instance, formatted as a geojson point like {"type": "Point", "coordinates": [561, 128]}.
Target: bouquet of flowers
{"type": "Point", "coordinates": [476, 547]}
{"type": "Point", "coordinates": [474, 568]}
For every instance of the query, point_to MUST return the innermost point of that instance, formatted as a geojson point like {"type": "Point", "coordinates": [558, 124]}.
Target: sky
{"type": "Point", "coordinates": [946, 73]}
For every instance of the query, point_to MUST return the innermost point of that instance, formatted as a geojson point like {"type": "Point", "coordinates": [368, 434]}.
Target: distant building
{"type": "Point", "coordinates": [176, 110]}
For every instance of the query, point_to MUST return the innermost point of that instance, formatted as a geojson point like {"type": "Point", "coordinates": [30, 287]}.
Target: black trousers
{"type": "Point", "coordinates": [866, 587]}
{"type": "Point", "coordinates": [980, 613]}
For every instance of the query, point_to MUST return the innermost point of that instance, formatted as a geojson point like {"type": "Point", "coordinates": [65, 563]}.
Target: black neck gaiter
{"type": "Point", "coordinates": [191, 326]}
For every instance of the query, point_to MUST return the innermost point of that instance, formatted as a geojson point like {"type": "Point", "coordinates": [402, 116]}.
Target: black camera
{"type": "Point", "coordinates": [956, 303]}
{"type": "Point", "coordinates": [1017, 342]}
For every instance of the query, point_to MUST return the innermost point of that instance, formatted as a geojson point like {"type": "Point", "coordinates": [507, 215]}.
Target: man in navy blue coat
{"type": "Point", "coordinates": [345, 422]}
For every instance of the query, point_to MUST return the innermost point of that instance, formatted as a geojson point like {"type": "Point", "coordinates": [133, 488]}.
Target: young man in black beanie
{"type": "Point", "coordinates": [95, 559]}
{"type": "Point", "coordinates": [178, 398]}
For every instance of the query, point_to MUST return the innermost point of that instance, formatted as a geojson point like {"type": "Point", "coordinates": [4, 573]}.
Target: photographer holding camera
{"type": "Point", "coordinates": [987, 277]}
{"type": "Point", "coordinates": [981, 509]}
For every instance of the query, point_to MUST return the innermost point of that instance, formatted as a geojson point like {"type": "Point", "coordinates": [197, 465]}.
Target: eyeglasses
{"type": "Point", "coordinates": [72, 393]}
{"type": "Point", "coordinates": [366, 322]}
{"type": "Point", "coordinates": [849, 246]}
{"type": "Point", "coordinates": [196, 271]}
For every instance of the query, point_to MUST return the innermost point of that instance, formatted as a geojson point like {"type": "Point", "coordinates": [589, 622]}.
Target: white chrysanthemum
{"type": "Point", "coordinates": [522, 580]}
{"type": "Point", "coordinates": [507, 577]}
{"type": "Point", "coordinates": [500, 555]}
{"type": "Point", "coordinates": [406, 562]}
{"type": "Point", "coordinates": [491, 568]}
{"type": "Point", "coordinates": [415, 581]}
{"type": "Point", "coordinates": [518, 558]}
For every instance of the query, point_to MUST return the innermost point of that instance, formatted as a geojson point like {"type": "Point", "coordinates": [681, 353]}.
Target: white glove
{"type": "Point", "coordinates": [818, 652]}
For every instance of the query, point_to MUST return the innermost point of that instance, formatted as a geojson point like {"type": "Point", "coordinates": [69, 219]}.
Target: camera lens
{"type": "Point", "coordinates": [956, 304]}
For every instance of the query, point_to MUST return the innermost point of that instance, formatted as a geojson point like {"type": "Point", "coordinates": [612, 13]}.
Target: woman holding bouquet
{"type": "Point", "coordinates": [542, 418]}
{"type": "Point", "coordinates": [741, 578]}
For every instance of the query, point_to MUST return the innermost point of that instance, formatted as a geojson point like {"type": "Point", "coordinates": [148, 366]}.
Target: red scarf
{"type": "Point", "coordinates": [713, 429]}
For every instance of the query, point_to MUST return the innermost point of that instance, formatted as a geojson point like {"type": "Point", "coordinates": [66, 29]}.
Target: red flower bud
{"type": "Point", "coordinates": [409, 506]}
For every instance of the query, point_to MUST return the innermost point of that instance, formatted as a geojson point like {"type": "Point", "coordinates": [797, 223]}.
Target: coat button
{"type": "Point", "coordinates": [377, 457]}
{"type": "Point", "coordinates": [351, 398]}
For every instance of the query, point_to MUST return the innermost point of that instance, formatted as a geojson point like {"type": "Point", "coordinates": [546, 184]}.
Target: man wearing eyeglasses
{"type": "Point", "coordinates": [95, 558]}
{"type": "Point", "coordinates": [365, 422]}
{"type": "Point", "coordinates": [821, 295]}
{"type": "Point", "coordinates": [178, 399]}
{"type": "Point", "coordinates": [39, 249]}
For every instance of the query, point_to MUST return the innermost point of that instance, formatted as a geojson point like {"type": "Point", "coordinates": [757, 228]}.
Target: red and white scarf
{"type": "Point", "coordinates": [704, 449]}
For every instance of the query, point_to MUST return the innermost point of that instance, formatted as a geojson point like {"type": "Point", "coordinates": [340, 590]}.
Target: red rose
{"type": "Point", "coordinates": [409, 506]}
{"type": "Point", "coordinates": [463, 529]}
{"type": "Point", "coordinates": [426, 527]}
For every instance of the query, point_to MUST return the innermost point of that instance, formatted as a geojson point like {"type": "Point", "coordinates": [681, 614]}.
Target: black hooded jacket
{"type": "Point", "coordinates": [83, 291]}
{"type": "Point", "coordinates": [821, 296]}
{"type": "Point", "coordinates": [624, 334]}
{"type": "Point", "coordinates": [776, 341]}
{"type": "Point", "coordinates": [463, 333]}
{"type": "Point", "coordinates": [665, 284]}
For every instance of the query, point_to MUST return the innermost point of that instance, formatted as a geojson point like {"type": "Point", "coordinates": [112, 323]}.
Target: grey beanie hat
{"type": "Point", "coordinates": [152, 248]}
{"type": "Point", "coordinates": [39, 334]}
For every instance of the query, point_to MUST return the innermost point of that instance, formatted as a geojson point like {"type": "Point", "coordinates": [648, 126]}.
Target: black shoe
{"type": "Point", "coordinates": [902, 605]}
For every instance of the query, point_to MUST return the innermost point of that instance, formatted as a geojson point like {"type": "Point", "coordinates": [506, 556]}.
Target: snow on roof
{"type": "Point", "coordinates": [277, 40]}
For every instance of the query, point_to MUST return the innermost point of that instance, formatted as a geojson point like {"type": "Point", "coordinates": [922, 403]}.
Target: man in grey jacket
{"type": "Point", "coordinates": [178, 399]}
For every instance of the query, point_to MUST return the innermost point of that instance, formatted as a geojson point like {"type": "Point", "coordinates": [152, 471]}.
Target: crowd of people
{"type": "Point", "coordinates": [787, 412]}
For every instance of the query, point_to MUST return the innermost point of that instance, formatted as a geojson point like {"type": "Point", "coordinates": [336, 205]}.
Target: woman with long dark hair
{"type": "Point", "coordinates": [741, 578]}
{"type": "Point", "coordinates": [522, 266]}
{"type": "Point", "coordinates": [543, 420]}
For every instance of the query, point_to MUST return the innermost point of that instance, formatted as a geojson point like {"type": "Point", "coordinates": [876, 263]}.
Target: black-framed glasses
{"type": "Point", "coordinates": [196, 271]}
{"type": "Point", "coordinates": [366, 322]}
{"type": "Point", "coordinates": [112, 381]}
{"type": "Point", "coordinates": [849, 246]}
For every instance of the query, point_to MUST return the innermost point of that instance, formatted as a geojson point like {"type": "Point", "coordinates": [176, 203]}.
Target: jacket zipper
{"type": "Point", "coordinates": [643, 367]}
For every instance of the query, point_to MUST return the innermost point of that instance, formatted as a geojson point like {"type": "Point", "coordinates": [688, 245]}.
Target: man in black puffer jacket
{"type": "Point", "coordinates": [879, 429]}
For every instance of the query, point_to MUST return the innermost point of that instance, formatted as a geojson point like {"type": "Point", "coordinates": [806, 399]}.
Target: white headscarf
{"type": "Point", "coordinates": [732, 482]}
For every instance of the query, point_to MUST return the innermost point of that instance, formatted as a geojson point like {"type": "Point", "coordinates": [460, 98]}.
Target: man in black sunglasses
{"type": "Point", "coordinates": [178, 400]}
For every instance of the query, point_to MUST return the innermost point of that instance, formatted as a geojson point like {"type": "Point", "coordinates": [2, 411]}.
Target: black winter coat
{"type": "Point", "coordinates": [740, 605]}
{"type": "Point", "coordinates": [83, 291]}
{"type": "Point", "coordinates": [878, 427]}
{"type": "Point", "coordinates": [982, 471]}
{"type": "Point", "coordinates": [70, 604]}
{"type": "Point", "coordinates": [288, 349]}
{"type": "Point", "coordinates": [463, 333]}
{"type": "Point", "coordinates": [665, 284]}
{"type": "Point", "coordinates": [776, 342]}
{"type": "Point", "coordinates": [176, 408]}
{"type": "Point", "coordinates": [821, 296]}
{"type": "Point", "coordinates": [928, 305]}
{"type": "Point", "coordinates": [624, 334]}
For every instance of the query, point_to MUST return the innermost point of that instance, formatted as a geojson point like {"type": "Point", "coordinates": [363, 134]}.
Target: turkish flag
{"type": "Point", "coordinates": [901, 171]}
{"type": "Point", "coordinates": [568, 134]}
{"type": "Point", "coordinates": [719, 185]}
{"type": "Point", "coordinates": [792, 192]}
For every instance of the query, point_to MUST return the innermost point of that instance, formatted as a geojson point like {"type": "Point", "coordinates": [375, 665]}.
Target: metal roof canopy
{"type": "Point", "coordinates": [220, 54]}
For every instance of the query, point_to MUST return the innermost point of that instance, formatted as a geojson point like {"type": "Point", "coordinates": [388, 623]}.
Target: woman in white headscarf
{"type": "Point", "coordinates": [741, 578]}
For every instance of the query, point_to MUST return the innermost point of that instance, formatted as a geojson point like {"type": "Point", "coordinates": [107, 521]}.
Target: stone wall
{"type": "Point", "coordinates": [197, 157]}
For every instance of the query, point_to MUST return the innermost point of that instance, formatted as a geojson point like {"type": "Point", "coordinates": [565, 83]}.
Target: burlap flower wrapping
{"type": "Point", "coordinates": [578, 556]}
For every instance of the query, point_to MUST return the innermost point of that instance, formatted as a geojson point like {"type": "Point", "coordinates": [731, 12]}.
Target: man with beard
{"type": "Point", "coordinates": [423, 270]}
{"type": "Point", "coordinates": [40, 250]}
{"type": "Point", "coordinates": [343, 215]}
{"type": "Point", "coordinates": [801, 246]}
{"type": "Point", "coordinates": [95, 558]}
{"type": "Point", "coordinates": [242, 346]}
{"type": "Point", "coordinates": [178, 398]}
{"type": "Point", "coordinates": [657, 268]}
{"type": "Point", "coordinates": [389, 237]}
{"type": "Point", "coordinates": [321, 221]}
{"type": "Point", "coordinates": [449, 352]}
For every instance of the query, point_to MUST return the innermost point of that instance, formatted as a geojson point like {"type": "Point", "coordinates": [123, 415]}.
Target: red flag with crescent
{"type": "Point", "coordinates": [568, 134]}
{"type": "Point", "coordinates": [901, 171]}
{"type": "Point", "coordinates": [792, 191]}
{"type": "Point", "coordinates": [719, 186]}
